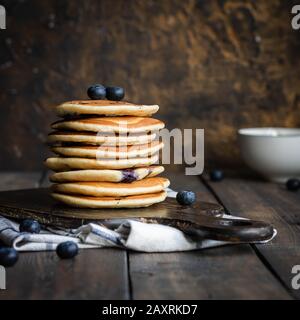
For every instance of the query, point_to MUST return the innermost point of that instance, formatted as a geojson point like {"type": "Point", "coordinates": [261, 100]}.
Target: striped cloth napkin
{"type": "Point", "coordinates": [131, 234]}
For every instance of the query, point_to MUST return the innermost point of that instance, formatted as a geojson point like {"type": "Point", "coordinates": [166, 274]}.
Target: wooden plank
{"type": "Point", "coordinates": [231, 272]}
{"type": "Point", "coordinates": [93, 274]}
{"type": "Point", "coordinates": [274, 204]}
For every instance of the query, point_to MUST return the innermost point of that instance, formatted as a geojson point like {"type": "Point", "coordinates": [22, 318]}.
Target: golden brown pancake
{"type": "Point", "coordinates": [65, 164]}
{"type": "Point", "coordinates": [106, 108]}
{"type": "Point", "coordinates": [139, 201]}
{"type": "Point", "coordinates": [125, 175]}
{"type": "Point", "coordinates": [111, 189]}
{"type": "Point", "coordinates": [97, 139]}
{"type": "Point", "coordinates": [111, 152]}
{"type": "Point", "coordinates": [111, 124]}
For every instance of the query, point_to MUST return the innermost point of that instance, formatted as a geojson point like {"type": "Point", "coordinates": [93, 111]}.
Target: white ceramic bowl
{"type": "Point", "coordinates": [273, 152]}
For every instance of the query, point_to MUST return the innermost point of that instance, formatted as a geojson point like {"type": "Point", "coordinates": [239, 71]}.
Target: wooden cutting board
{"type": "Point", "coordinates": [204, 217]}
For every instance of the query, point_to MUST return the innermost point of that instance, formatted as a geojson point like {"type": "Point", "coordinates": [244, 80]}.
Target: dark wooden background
{"type": "Point", "coordinates": [213, 64]}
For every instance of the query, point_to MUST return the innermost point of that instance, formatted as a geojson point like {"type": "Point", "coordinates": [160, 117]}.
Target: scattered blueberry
{"type": "Point", "coordinates": [293, 184]}
{"type": "Point", "coordinates": [96, 92]}
{"type": "Point", "coordinates": [115, 93]}
{"type": "Point", "coordinates": [216, 175]}
{"type": "Point", "coordinates": [30, 226]}
{"type": "Point", "coordinates": [186, 198]}
{"type": "Point", "coordinates": [67, 250]}
{"type": "Point", "coordinates": [8, 257]}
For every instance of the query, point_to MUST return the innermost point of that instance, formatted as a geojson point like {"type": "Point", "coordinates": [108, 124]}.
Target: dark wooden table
{"type": "Point", "coordinates": [231, 272]}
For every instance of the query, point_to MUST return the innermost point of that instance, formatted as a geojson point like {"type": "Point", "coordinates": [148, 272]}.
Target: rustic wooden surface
{"type": "Point", "coordinates": [273, 203]}
{"type": "Point", "coordinates": [218, 65]}
{"type": "Point", "coordinates": [45, 276]}
{"type": "Point", "coordinates": [231, 272]}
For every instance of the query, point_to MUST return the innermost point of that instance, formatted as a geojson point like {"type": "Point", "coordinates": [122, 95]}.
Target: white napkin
{"type": "Point", "coordinates": [131, 234]}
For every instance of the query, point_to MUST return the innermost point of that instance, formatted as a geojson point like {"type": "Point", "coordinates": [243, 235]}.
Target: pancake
{"type": "Point", "coordinates": [96, 152]}
{"type": "Point", "coordinates": [139, 201]}
{"type": "Point", "coordinates": [125, 175]}
{"type": "Point", "coordinates": [94, 138]}
{"type": "Point", "coordinates": [66, 164]}
{"type": "Point", "coordinates": [105, 107]}
{"type": "Point", "coordinates": [112, 189]}
{"type": "Point", "coordinates": [111, 124]}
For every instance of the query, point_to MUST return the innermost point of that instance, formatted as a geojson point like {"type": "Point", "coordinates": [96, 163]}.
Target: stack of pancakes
{"type": "Point", "coordinates": [106, 155]}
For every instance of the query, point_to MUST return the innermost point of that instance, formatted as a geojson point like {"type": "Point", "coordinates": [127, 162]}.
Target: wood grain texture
{"type": "Point", "coordinates": [219, 273]}
{"type": "Point", "coordinates": [218, 65]}
{"type": "Point", "coordinates": [93, 274]}
{"type": "Point", "coordinates": [42, 275]}
{"type": "Point", "coordinates": [233, 272]}
{"type": "Point", "coordinates": [274, 204]}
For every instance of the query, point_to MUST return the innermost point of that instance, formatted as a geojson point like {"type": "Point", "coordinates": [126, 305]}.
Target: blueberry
{"type": "Point", "coordinates": [8, 257]}
{"type": "Point", "coordinates": [115, 93]}
{"type": "Point", "coordinates": [293, 184]}
{"type": "Point", "coordinates": [67, 250]}
{"type": "Point", "coordinates": [186, 198]}
{"type": "Point", "coordinates": [96, 92]}
{"type": "Point", "coordinates": [30, 226]}
{"type": "Point", "coordinates": [216, 175]}
{"type": "Point", "coordinates": [128, 176]}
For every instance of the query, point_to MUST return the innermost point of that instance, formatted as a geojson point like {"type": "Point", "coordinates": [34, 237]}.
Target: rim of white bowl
{"type": "Point", "coordinates": [270, 132]}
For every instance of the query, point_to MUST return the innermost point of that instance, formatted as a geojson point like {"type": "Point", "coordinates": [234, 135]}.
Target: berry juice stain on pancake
{"type": "Point", "coordinates": [108, 175]}
{"type": "Point", "coordinates": [128, 176]}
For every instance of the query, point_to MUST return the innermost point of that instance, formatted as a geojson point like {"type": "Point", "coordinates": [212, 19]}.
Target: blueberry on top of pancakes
{"type": "Point", "coordinates": [96, 92]}
{"type": "Point", "coordinates": [115, 93]}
